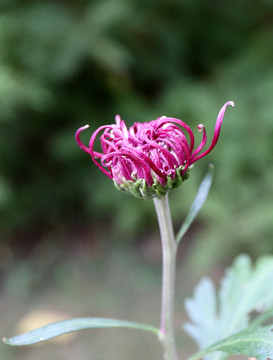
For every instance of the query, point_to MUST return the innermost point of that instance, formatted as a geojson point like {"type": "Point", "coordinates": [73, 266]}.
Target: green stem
{"type": "Point", "coordinates": [169, 249]}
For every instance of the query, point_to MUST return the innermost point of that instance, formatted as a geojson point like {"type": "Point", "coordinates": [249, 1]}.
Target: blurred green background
{"type": "Point", "coordinates": [63, 226]}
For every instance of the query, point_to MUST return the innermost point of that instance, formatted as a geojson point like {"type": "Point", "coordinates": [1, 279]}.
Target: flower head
{"type": "Point", "coordinates": [148, 159]}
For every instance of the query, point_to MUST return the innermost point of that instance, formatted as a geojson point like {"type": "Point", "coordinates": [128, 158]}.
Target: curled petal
{"type": "Point", "coordinates": [183, 125]}
{"type": "Point", "coordinates": [169, 157]}
{"type": "Point", "coordinates": [216, 132]}
{"type": "Point", "coordinates": [135, 158]}
{"type": "Point", "coordinates": [147, 163]}
{"type": "Point", "coordinates": [78, 139]}
{"type": "Point", "coordinates": [95, 154]}
{"type": "Point", "coordinates": [202, 128]}
{"type": "Point", "coordinates": [118, 120]}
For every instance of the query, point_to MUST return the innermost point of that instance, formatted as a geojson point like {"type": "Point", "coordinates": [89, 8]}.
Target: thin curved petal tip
{"type": "Point", "coordinates": [231, 103]}
{"type": "Point", "coordinates": [222, 112]}
{"type": "Point", "coordinates": [78, 140]}
{"type": "Point", "coordinates": [82, 128]}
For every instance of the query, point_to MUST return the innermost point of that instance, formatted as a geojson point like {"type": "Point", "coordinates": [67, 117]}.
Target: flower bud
{"type": "Point", "coordinates": [149, 159]}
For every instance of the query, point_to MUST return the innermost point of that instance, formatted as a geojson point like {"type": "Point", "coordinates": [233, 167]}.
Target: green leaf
{"type": "Point", "coordinates": [256, 343]}
{"type": "Point", "coordinates": [63, 327]}
{"type": "Point", "coordinates": [197, 203]}
{"type": "Point", "coordinates": [216, 316]}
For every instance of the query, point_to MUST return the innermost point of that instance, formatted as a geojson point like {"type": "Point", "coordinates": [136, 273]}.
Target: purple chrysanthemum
{"type": "Point", "coordinates": [149, 158]}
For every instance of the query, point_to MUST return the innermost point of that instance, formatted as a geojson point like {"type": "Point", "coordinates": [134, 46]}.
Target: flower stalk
{"type": "Point", "coordinates": [169, 250]}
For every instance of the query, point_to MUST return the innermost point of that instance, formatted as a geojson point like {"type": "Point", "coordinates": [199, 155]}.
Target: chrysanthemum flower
{"type": "Point", "coordinates": [149, 159]}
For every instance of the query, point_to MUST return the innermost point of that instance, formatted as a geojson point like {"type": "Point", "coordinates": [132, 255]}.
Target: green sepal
{"type": "Point", "coordinates": [140, 189]}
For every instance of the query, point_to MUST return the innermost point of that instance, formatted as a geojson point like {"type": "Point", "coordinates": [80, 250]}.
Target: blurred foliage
{"type": "Point", "coordinates": [64, 64]}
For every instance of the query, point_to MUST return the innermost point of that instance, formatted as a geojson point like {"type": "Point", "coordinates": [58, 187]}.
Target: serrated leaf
{"type": "Point", "coordinates": [255, 342]}
{"type": "Point", "coordinates": [243, 290]}
{"type": "Point", "coordinates": [197, 204]}
{"type": "Point", "coordinates": [202, 311]}
{"type": "Point", "coordinates": [63, 327]}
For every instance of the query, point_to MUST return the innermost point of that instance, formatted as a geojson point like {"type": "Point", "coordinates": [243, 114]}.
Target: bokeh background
{"type": "Point", "coordinates": [70, 244]}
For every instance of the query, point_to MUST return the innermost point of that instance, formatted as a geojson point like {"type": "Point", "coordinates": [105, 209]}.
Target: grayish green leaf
{"type": "Point", "coordinates": [197, 203]}
{"type": "Point", "coordinates": [244, 289]}
{"type": "Point", "coordinates": [63, 327]}
{"type": "Point", "coordinates": [256, 343]}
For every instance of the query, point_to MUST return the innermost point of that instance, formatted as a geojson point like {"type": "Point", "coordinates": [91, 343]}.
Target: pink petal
{"type": "Point", "coordinates": [216, 131]}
